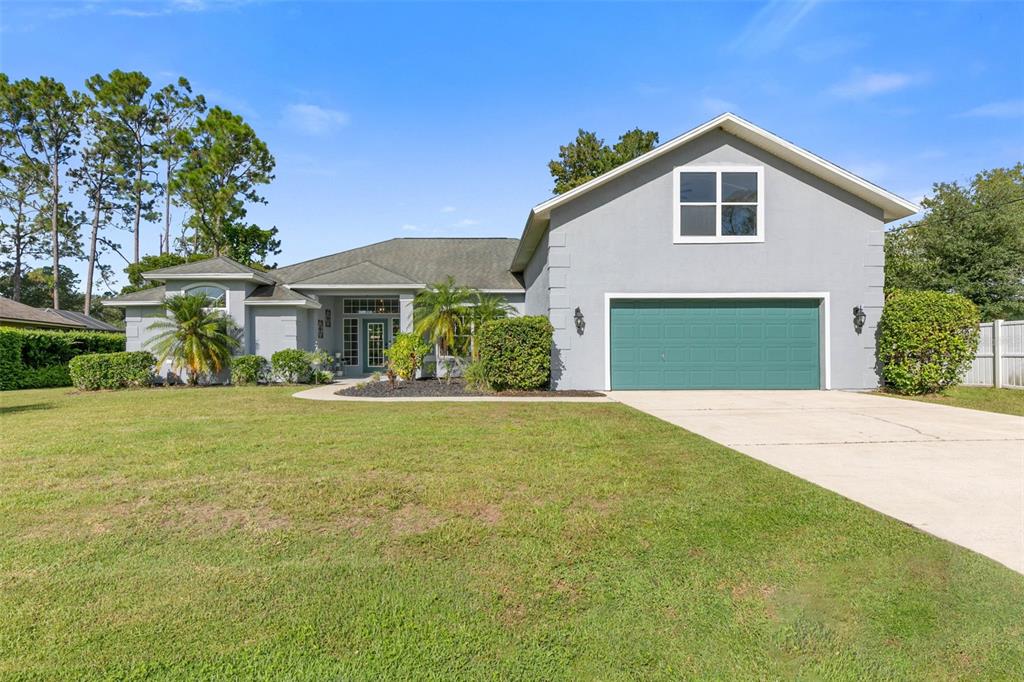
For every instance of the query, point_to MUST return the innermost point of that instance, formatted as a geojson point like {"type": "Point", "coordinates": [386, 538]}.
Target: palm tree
{"type": "Point", "coordinates": [486, 307]}
{"type": "Point", "coordinates": [196, 338]}
{"type": "Point", "coordinates": [439, 312]}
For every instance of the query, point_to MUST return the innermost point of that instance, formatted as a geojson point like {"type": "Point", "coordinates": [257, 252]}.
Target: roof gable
{"type": "Point", "coordinates": [363, 273]}
{"type": "Point", "coordinates": [893, 207]}
{"type": "Point", "coordinates": [219, 267]}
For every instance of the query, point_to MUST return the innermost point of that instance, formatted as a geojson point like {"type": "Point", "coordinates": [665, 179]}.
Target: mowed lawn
{"type": "Point", "coordinates": [1004, 400]}
{"type": "Point", "coordinates": [239, 533]}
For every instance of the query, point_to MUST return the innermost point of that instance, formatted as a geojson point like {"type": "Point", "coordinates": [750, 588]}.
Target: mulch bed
{"type": "Point", "coordinates": [432, 388]}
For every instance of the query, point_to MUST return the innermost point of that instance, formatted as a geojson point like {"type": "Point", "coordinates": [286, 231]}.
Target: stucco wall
{"type": "Point", "coordinates": [273, 328]}
{"type": "Point", "coordinates": [619, 238]}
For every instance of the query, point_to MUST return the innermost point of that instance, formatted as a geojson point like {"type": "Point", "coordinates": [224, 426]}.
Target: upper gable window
{"type": "Point", "coordinates": [718, 204]}
{"type": "Point", "coordinates": [215, 294]}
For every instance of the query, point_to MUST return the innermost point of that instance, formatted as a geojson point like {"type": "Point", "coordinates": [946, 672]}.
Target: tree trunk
{"type": "Point", "coordinates": [92, 254]}
{"type": "Point", "coordinates": [19, 220]}
{"type": "Point", "coordinates": [167, 209]}
{"type": "Point", "coordinates": [54, 234]}
{"type": "Point", "coordinates": [138, 208]}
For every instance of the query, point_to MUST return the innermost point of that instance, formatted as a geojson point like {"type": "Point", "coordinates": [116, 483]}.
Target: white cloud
{"type": "Point", "coordinates": [314, 120]}
{"type": "Point", "coordinates": [466, 222]}
{"type": "Point", "coordinates": [410, 228]}
{"type": "Point", "coordinates": [447, 209]}
{"type": "Point", "coordinates": [768, 29]}
{"type": "Point", "coordinates": [716, 105]}
{"type": "Point", "coordinates": [866, 84]}
{"type": "Point", "coordinates": [1013, 108]}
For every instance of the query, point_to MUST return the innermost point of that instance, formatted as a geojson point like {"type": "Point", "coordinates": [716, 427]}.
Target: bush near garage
{"type": "Point", "coordinates": [249, 369]}
{"type": "Point", "coordinates": [112, 370]}
{"type": "Point", "coordinates": [38, 358]}
{"type": "Point", "coordinates": [515, 353]}
{"type": "Point", "coordinates": [926, 341]}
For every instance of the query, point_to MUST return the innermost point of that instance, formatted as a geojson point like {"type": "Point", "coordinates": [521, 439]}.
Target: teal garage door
{"type": "Point", "coordinates": [703, 343]}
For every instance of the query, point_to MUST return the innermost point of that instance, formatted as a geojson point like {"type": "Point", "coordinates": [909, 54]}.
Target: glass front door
{"type": "Point", "coordinates": [374, 342]}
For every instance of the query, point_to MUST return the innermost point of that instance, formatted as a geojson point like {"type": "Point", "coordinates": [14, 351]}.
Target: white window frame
{"type": "Point", "coordinates": [195, 285]}
{"type": "Point", "coordinates": [718, 237]}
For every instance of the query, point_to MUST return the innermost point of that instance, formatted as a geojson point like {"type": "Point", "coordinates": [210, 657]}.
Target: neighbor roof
{"type": "Point", "coordinates": [13, 311]}
{"type": "Point", "coordinates": [88, 321]}
{"type": "Point", "coordinates": [218, 267]}
{"type": "Point", "coordinates": [893, 207]}
{"type": "Point", "coordinates": [411, 262]}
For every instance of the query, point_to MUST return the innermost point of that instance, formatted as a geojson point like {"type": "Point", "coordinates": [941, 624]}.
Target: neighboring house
{"type": "Point", "coordinates": [724, 258]}
{"type": "Point", "coordinates": [15, 314]}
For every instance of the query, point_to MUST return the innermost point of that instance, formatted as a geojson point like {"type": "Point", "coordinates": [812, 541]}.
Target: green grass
{"type": "Point", "coordinates": [1002, 400]}
{"type": "Point", "coordinates": [240, 533]}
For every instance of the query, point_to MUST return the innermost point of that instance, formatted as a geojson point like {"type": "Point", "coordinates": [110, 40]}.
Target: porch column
{"type": "Point", "coordinates": [405, 303]}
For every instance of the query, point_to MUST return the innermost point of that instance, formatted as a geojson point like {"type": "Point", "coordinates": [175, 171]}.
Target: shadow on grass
{"type": "Point", "coordinates": [29, 407]}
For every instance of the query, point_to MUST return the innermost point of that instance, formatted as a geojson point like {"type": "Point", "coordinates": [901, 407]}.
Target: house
{"type": "Point", "coordinates": [15, 314]}
{"type": "Point", "coordinates": [725, 258]}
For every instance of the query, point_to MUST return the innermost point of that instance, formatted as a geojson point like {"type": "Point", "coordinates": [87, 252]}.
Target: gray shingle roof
{"type": "Point", "coordinates": [220, 265]}
{"type": "Point", "coordinates": [88, 321]}
{"type": "Point", "coordinates": [152, 294]}
{"type": "Point", "coordinates": [366, 272]}
{"type": "Point", "coordinates": [272, 293]}
{"type": "Point", "coordinates": [482, 263]}
{"type": "Point", "coordinates": [13, 311]}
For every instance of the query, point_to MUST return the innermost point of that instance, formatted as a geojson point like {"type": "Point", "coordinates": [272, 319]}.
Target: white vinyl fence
{"type": "Point", "coordinates": [1000, 358]}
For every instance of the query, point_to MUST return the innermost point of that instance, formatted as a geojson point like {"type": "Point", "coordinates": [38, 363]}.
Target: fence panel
{"type": "Point", "coordinates": [1005, 339]}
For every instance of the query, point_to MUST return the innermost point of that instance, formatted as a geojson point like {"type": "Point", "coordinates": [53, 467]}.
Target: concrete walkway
{"type": "Point", "coordinates": [955, 473]}
{"type": "Point", "coordinates": [327, 392]}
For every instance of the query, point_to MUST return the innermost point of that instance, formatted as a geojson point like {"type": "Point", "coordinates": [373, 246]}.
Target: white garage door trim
{"type": "Point", "coordinates": [819, 295]}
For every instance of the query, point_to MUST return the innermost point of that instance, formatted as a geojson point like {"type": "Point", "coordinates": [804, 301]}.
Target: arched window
{"type": "Point", "coordinates": [217, 295]}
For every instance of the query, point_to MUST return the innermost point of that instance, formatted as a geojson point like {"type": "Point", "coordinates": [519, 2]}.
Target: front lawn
{"type": "Point", "coordinates": [234, 533]}
{"type": "Point", "coordinates": [1003, 400]}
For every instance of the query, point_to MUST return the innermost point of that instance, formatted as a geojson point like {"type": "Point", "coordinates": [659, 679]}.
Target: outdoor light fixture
{"type": "Point", "coordinates": [859, 318]}
{"type": "Point", "coordinates": [580, 322]}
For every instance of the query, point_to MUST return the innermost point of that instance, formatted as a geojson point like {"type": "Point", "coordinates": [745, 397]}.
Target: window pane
{"type": "Point", "coordinates": [697, 188]}
{"type": "Point", "coordinates": [739, 186]}
{"type": "Point", "coordinates": [215, 294]}
{"type": "Point", "coordinates": [739, 221]}
{"type": "Point", "coordinates": [697, 221]}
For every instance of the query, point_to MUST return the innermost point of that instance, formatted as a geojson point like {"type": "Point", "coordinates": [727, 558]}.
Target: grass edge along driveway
{"type": "Point", "coordinates": [240, 533]}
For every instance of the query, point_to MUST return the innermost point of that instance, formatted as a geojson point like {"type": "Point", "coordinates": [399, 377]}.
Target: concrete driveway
{"type": "Point", "coordinates": [955, 473]}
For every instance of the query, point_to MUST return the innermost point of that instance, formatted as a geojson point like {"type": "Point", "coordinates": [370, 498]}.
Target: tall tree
{"type": "Point", "coordinates": [224, 169]}
{"type": "Point", "coordinates": [22, 198]}
{"type": "Point", "coordinates": [970, 242]}
{"type": "Point", "coordinates": [177, 111]}
{"type": "Point", "coordinates": [53, 127]}
{"type": "Point", "coordinates": [588, 156]}
{"type": "Point", "coordinates": [96, 175]}
{"type": "Point", "coordinates": [124, 101]}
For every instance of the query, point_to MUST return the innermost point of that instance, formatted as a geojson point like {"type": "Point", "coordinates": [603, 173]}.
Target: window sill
{"type": "Point", "coordinates": [756, 239]}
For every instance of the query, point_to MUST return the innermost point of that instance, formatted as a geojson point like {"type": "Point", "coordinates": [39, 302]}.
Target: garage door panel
{"type": "Point", "coordinates": [715, 344]}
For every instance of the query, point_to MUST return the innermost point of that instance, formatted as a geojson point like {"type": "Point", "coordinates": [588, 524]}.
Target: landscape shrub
{"type": "Point", "coordinates": [475, 376]}
{"type": "Point", "coordinates": [249, 369]}
{"type": "Point", "coordinates": [926, 341]}
{"type": "Point", "coordinates": [515, 353]}
{"type": "Point", "coordinates": [405, 355]}
{"type": "Point", "coordinates": [291, 365]}
{"type": "Point", "coordinates": [38, 358]}
{"type": "Point", "coordinates": [112, 370]}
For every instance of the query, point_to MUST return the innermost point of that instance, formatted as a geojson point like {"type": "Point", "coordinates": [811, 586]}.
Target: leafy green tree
{"type": "Point", "coordinates": [48, 123]}
{"type": "Point", "coordinates": [37, 287]}
{"type": "Point", "coordinates": [970, 242]}
{"type": "Point", "coordinates": [97, 176]}
{"type": "Point", "coordinates": [154, 262]}
{"type": "Point", "coordinates": [439, 313]}
{"type": "Point", "coordinates": [588, 156]}
{"type": "Point", "coordinates": [129, 112]}
{"type": "Point", "coordinates": [486, 307]}
{"type": "Point", "coordinates": [177, 111]}
{"type": "Point", "coordinates": [22, 198]}
{"type": "Point", "coordinates": [194, 337]}
{"type": "Point", "coordinates": [224, 169]}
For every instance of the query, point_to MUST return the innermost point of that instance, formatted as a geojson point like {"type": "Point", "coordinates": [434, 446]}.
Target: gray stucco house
{"type": "Point", "coordinates": [725, 258]}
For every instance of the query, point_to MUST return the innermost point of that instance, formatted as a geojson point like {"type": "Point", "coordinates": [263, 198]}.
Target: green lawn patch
{"type": "Point", "coordinates": [1002, 400]}
{"type": "Point", "coordinates": [239, 533]}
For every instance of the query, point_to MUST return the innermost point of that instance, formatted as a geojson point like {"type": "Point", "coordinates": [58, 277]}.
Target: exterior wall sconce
{"type": "Point", "coordinates": [578, 319]}
{"type": "Point", "coordinates": [859, 318]}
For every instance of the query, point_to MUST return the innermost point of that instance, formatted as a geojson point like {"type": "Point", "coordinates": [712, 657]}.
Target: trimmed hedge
{"type": "Point", "coordinates": [292, 366]}
{"type": "Point", "coordinates": [926, 341]}
{"type": "Point", "coordinates": [112, 370]}
{"type": "Point", "coordinates": [515, 352]}
{"type": "Point", "coordinates": [38, 358]}
{"type": "Point", "coordinates": [249, 369]}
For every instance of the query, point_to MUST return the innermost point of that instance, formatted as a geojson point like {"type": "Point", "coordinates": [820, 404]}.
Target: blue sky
{"type": "Point", "coordinates": [439, 119]}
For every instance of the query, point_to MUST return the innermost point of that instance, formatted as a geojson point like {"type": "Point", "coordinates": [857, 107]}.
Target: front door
{"type": "Point", "coordinates": [375, 340]}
